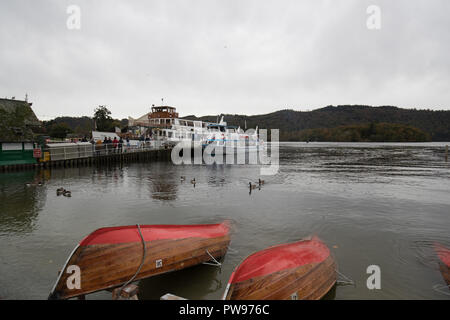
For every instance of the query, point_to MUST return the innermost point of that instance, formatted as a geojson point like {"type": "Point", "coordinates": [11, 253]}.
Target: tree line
{"type": "Point", "coordinates": [371, 132]}
{"type": "Point", "coordinates": [290, 123]}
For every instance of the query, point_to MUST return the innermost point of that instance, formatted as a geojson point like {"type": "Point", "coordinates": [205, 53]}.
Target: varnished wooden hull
{"type": "Point", "coordinates": [306, 280]}
{"type": "Point", "coordinates": [445, 270]}
{"type": "Point", "coordinates": [105, 262]}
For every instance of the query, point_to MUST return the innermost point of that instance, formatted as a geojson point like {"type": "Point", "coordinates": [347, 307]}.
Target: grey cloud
{"type": "Point", "coordinates": [210, 57]}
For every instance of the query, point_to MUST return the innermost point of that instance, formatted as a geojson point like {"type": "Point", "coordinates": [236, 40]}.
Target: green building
{"type": "Point", "coordinates": [17, 121]}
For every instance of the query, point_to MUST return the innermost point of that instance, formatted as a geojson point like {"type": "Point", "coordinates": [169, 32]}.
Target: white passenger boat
{"type": "Point", "coordinates": [163, 124]}
{"type": "Point", "coordinates": [232, 139]}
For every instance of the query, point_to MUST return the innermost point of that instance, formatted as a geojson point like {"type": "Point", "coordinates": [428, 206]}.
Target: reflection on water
{"type": "Point", "coordinates": [383, 204]}
{"type": "Point", "coordinates": [21, 199]}
{"type": "Point", "coordinates": [196, 283]}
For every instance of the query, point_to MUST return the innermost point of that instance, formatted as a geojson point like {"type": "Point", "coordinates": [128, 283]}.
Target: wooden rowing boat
{"type": "Point", "coordinates": [110, 257]}
{"type": "Point", "coordinates": [300, 270]}
{"type": "Point", "coordinates": [444, 263]}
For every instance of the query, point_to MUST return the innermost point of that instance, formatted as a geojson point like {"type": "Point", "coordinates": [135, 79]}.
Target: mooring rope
{"type": "Point", "coordinates": [232, 250]}
{"type": "Point", "coordinates": [142, 262]}
{"type": "Point", "coordinates": [216, 263]}
{"type": "Point", "coordinates": [440, 288]}
{"type": "Point", "coordinates": [345, 282]}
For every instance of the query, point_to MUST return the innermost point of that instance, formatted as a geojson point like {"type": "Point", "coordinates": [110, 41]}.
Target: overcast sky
{"type": "Point", "coordinates": [208, 57]}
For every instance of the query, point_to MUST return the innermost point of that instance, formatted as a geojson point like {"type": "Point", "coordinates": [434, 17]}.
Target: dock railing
{"type": "Point", "coordinates": [71, 151]}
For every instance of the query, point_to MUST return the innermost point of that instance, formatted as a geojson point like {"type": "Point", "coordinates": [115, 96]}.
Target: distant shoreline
{"type": "Point", "coordinates": [372, 144]}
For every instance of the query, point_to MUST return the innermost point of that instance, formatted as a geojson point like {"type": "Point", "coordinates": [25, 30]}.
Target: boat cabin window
{"type": "Point", "coordinates": [11, 146]}
{"type": "Point", "coordinates": [163, 109]}
{"type": "Point", "coordinates": [217, 128]}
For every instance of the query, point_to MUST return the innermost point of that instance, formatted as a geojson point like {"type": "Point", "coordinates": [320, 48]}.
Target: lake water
{"type": "Point", "coordinates": [372, 204]}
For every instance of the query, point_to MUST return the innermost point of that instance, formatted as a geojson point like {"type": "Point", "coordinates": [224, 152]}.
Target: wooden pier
{"type": "Point", "coordinates": [145, 155]}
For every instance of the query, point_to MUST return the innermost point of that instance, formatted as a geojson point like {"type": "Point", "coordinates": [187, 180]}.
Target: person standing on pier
{"type": "Point", "coordinates": [115, 142]}
{"type": "Point", "coordinates": [105, 145]}
{"type": "Point", "coordinates": [98, 146]}
{"type": "Point", "coordinates": [120, 144]}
